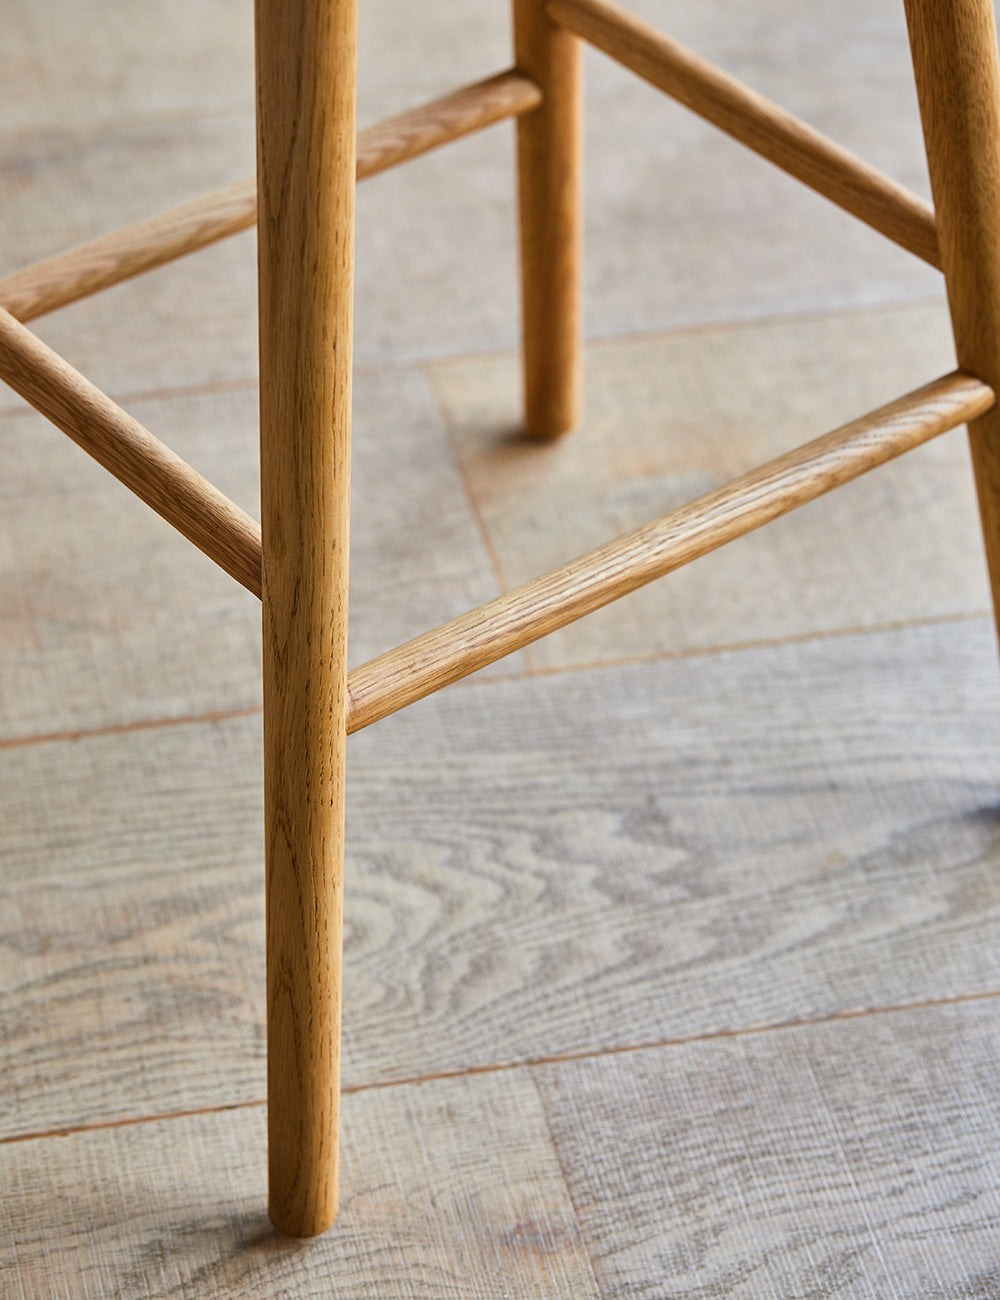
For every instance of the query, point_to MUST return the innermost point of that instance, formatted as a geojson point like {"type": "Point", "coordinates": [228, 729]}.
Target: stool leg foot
{"type": "Point", "coordinates": [549, 154]}
{"type": "Point", "coordinates": [954, 47]}
{"type": "Point", "coordinates": [305, 182]}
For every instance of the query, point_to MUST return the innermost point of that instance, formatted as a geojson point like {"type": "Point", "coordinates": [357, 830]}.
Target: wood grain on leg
{"type": "Point", "coordinates": [450, 652]}
{"type": "Point", "coordinates": [306, 78]}
{"type": "Point", "coordinates": [550, 165]}
{"type": "Point", "coordinates": [954, 46]}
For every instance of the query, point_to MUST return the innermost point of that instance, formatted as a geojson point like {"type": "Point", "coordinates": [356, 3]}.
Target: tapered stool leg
{"type": "Point", "coordinates": [954, 46]}
{"type": "Point", "coordinates": [549, 161]}
{"type": "Point", "coordinates": [306, 60]}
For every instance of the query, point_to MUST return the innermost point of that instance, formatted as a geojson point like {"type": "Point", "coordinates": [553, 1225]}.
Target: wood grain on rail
{"type": "Point", "coordinates": [452, 651]}
{"type": "Point", "coordinates": [131, 453]}
{"type": "Point", "coordinates": [756, 122]}
{"type": "Point", "coordinates": [101, 263]}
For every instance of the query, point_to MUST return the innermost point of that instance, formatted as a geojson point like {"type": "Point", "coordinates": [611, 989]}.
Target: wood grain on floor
{"type": "Point", "coordinates": [109, 616]}
{"type": "Point", "coordinates": [559, 865]}
{"type": "Point", "coordinates": [852, 1159]}
{"type": "Point", "coordinates": [672, 977]}
{"type": "Point", "coordinates": [452, 1191]}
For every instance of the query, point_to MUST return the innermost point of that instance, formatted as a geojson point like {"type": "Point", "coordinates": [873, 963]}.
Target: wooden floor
{"type": "Point", "coordinates": [673, 944]}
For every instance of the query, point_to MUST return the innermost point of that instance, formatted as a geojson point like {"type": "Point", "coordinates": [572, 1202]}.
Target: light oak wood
{"type": "Point", "coordinates": [148, 468]}
{"type": "Point", "coordinates": [452, 651]}
{"type": "Point", "coordinates": [753, 120]}
{"type": "Point", "coordinates": [667, 1164]}
{"type": "Point", "coordinates": [955, 62]}
{"type": "Point", "coordinates": [103, 262]}
{"type": "Point", "coordinates": [306, 133]}
{"type": "Point", "coordinates": [550, 208]}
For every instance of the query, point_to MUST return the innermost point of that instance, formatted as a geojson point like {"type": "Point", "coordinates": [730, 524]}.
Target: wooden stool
{"type": "Point", "coordinates": [309, 158]}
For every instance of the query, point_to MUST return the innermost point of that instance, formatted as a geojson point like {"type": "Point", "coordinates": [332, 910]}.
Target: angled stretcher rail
{"type": "Point", "coordinates": [97, 265]}
{"type": "Point", "coordinates": [150, 469]}
{"type": "Point", "coordinates": [452, 651]}
{"type": "Point", "coordinates": [755, 122]}
{"type": "Point", "coordinates": [447, 653]}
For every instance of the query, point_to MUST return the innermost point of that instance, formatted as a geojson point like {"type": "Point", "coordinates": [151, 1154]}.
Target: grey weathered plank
{"type": "Point", "coordinates": [855, 1159]}
{"type": "Point", "coordinates": [535, 867]}
{"type": "Point", "coordinates": [108, 616]}
{"type": "Point", "coordinates": [672, 416]}
{"type": "Point", "coordinates": [450, 1189]}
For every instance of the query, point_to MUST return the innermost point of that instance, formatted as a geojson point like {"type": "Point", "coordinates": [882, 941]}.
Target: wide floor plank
{"type": "Point", "coordinates": [856, 1159]}
{"type": "Point", "coordinates": [535, 867]}
{"type": "Point", "coordinates": [449, 1190]}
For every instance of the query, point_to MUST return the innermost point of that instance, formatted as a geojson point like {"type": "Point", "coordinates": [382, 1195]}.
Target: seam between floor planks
{"type": "Point", "coordinates": [507, 1067]}
{"type": "Point", "coordinates": [545, 670]}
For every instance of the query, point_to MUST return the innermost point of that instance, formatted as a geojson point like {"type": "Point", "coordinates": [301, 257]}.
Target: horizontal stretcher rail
{"type": "Point", "coordinates": [452, 651]}
{"type": "Point", "coordinates": [151, 470]}
{"type": "Point", "coordinates": [103, 262]}
{"type": "Point", "coordinates": [755, 122]}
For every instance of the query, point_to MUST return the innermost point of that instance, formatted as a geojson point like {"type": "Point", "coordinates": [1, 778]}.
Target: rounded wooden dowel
{"type": "Point", "coordinates": [756, 122]}
{"type": "Point", "coordinates": [468, 109]}
{"type": "Point", "coordinates": [306, 75]}
{"type": "Point", "coordinates": [168, 484]}
{"type": "Point", "coordinates": [550, 212]}
{"type": "Point", "coordinates": [955, 62]}
{"type": "Point", "coordinates": [452, 651]}
{"type": "Point", "coordinates": [97, 265]}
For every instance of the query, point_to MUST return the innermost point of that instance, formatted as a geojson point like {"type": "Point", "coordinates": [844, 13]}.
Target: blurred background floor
{"type": "Point", "coordinates": [672, 943]}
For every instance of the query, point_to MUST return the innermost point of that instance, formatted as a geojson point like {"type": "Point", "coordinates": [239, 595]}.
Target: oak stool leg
{"type": "Point", "coordinates": [954, 47]}
{"type": "Point", "coordinates": [306, 89]}
{"type": "Point", "coordinates": [550, 206]}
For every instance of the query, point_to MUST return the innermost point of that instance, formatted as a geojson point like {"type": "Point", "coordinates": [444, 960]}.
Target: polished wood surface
{"type": "Point", "coordinates": [306, 113]}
